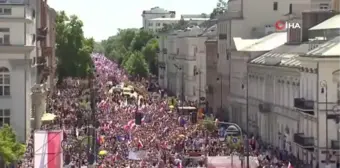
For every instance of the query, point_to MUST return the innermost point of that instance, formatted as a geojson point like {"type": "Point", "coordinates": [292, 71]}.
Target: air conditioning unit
{"type": "Point", "coordinates": [269, 29]}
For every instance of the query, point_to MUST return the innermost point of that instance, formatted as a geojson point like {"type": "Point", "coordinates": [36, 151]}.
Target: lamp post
{"type": "Point", "coordinates": [324, 90]}
{"type": "Point", "coordinates": [221, 90]}
{"type": "Point", "coordinates": [180, 68]}
{"type": "Point", "coordinates": [199, 73]}
{"type": "Point", "coordinates": [247, 114]}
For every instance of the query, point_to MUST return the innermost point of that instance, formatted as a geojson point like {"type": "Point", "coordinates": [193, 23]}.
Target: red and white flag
{"type": "Point", "coordinates": [140, 144]}
{"type": "Point", "coordinates": [48, 151]}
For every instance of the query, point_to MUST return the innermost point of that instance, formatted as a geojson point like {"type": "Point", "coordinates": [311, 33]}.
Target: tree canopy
{"type": "Point", "coordinates": [221, 7]}
{"type": "Point", "coordinates": [135, 50]}
{"type": "Point", "coordinates": [10, 150]}
{"type": "Point", "coordinates": [73, 49]}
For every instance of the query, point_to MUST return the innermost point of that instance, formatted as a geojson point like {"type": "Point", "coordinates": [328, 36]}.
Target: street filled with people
{"type": "Point", "coordinates": [135, 128]}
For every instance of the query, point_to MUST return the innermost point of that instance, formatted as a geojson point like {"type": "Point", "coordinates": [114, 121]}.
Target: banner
{"type": "Point", "coordinates": [48, 151]}
{"type": "Point", "coordinates": [137, 155]}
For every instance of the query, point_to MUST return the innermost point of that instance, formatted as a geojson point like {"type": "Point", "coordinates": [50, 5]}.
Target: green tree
{"type": "Point", "coordinates": [10, 150]}
{"type": "Point", "coordinates": [98, 48]}
{"type": "Point", "coordinates": [136, 65]}
{"type": "Point", "coordinates": [140, 40]}
{"type": "Point", "coordinates": [209, 124]}
{"type": "Point", "coordinates": [221, 7]}
{"type": "Point", "coordinates": [73, 49]}
{"type": "Point", "coordinates": [150, 55]}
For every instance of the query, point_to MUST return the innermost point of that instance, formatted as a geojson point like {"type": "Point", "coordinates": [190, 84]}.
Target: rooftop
{"type": "Point", "coordinates": [327, 49]}
{"type": "Point", "coordinates": [331, 23]}
{"type": "Point", "coordinates": [266, 43]}
{"type": "Point", "coordinates": [285, 55]}
{"type": "Point", "coordinates": [177, 19]}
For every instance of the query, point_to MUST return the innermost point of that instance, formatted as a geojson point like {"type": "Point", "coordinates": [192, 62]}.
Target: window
{"type": "Point", "coordinates": [177, 51]}
{"type": "Point", "coordinates": [5, 82]}
{"type": "Point", "coordinates": [338, 92]}
{"type": "Point", "coordinates": [150, 24]}
{"type": "Point", "coordinates": [33, 13]}
{"type": "Point", "coordinates": [290, 8]}
{"type": "Point", "coordinates": [158, 24]}
{"type": "Point", "coordinates": [275, 6]}
{"type": "Point", "coordinates": [5, 38]}
{"type": "Point", "coordinates": [5, 117]}
{"type": "Point", "coordinates": [7, 11]}
{"type": "Point", "coordinates": [324, 6]}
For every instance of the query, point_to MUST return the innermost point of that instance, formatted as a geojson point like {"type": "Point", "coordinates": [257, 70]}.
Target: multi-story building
{"type": "Point", "coordinates": [18, 50]}
{"type": "Point", "coordinates": [156, 12]}
{"type": "Point", "coordinates": [44, 64]}
{"type": "Point", "coordinates": [292, 92]}
{"type": "Point", "coordinates": [242, 20]}
{"type": "Point", "coordinates": [183, 62]}
{"type": "Point", "coordinates": [158, 23]}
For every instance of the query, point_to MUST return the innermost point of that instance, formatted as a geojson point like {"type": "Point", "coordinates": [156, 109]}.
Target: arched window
{"type": "Point", "coordinates": [5, 82]}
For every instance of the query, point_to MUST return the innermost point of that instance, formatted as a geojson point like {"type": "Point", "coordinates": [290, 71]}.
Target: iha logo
{"type": "Point", "coordinates": [283, 25]}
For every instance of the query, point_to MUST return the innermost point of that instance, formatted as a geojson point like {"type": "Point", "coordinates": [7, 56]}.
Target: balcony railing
{"type": "Point", "coordinates": [42, 33]}
{"type": "Point", "coordinates": [305, 106]}
{"type": "Point", "coordinates": [264, 107]}
{"type": "Point", "coordinates": [304, 141]}
{"type": "Point", "coordinates": [161, 65]}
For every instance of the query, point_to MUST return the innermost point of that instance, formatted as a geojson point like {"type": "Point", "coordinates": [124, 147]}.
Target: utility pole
{"type": "Point", "coordinates": [182, 94]}
{"type": "Point", "coordinates": [92, 133]}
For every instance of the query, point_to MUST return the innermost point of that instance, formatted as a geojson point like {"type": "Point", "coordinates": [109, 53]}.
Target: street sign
{"type": "Point", "coordinates": [234, 140]}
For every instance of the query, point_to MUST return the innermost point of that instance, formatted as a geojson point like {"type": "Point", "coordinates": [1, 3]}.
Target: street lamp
{"type": "Point", "coordinates": [324, 89]}
{"type": "Point", "coordinates": [221, 91]}
{"type": "Point", "coordinates": [182, 85]}
{"type": "Point", "coordinates": [247, 114]}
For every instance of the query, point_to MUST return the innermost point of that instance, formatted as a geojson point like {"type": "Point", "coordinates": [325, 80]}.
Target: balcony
{"type": "Point", "coordinates": [264, 108]}
{"type": "Point", "coordinates": [304, 141]}
{"type": "Point", "coordinates": [185, 57]}
{"type": "Point", "coordinates": [42, 33]}
{"type": "Point", "coordinates": [304, 106]}
{"type": "Point", "coordinates": [161, 65]}
{"type": "Point", "coordinates": [41, 61]}
{"type": "Point", "coordinates": [46, 51]}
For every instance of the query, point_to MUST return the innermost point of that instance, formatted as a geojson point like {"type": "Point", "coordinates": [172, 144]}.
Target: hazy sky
{"type": "Point", "coordinates": [103, 18]}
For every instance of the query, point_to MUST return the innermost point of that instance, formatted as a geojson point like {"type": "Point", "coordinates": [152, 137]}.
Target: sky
{"type": "Point", "coordinates": [103, 18]}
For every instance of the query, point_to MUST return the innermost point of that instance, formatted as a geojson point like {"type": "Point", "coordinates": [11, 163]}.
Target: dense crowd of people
{"type": "Point", "coordinates": [162, 139]}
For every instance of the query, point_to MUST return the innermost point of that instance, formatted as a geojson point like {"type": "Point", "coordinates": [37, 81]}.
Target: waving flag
{"type": "Point", "coordinates": [48, 151]}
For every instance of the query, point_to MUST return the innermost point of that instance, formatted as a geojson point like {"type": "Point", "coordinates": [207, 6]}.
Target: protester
{"type": "Point", "coordinates": [163, 139]}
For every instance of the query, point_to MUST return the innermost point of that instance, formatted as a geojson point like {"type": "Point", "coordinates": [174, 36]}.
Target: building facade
{"type": "Point", "coordinates": [241, 20]}
{"type": "Point", "coordinates": [18, 51]}
{"type": "Point", "coordinates": [158, 23]}
{"type": "Point", "coordinates": [155, 12]}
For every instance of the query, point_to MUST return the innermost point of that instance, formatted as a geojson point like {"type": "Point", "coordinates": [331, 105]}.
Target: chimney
{"type": "Point", "coordinates": [294, 36]}
{"type": "Point", "coordinates": [313, 18]}
{"type": "Point", "coordinates": [336, 5]}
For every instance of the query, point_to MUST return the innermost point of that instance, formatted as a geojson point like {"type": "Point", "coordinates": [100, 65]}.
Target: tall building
{"type": "Point", "coordinates": [44, 64]}
{"type": "Point", "coordinates": [19, 38]}
{"type": "Point", "coordinates": [156, 12]}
